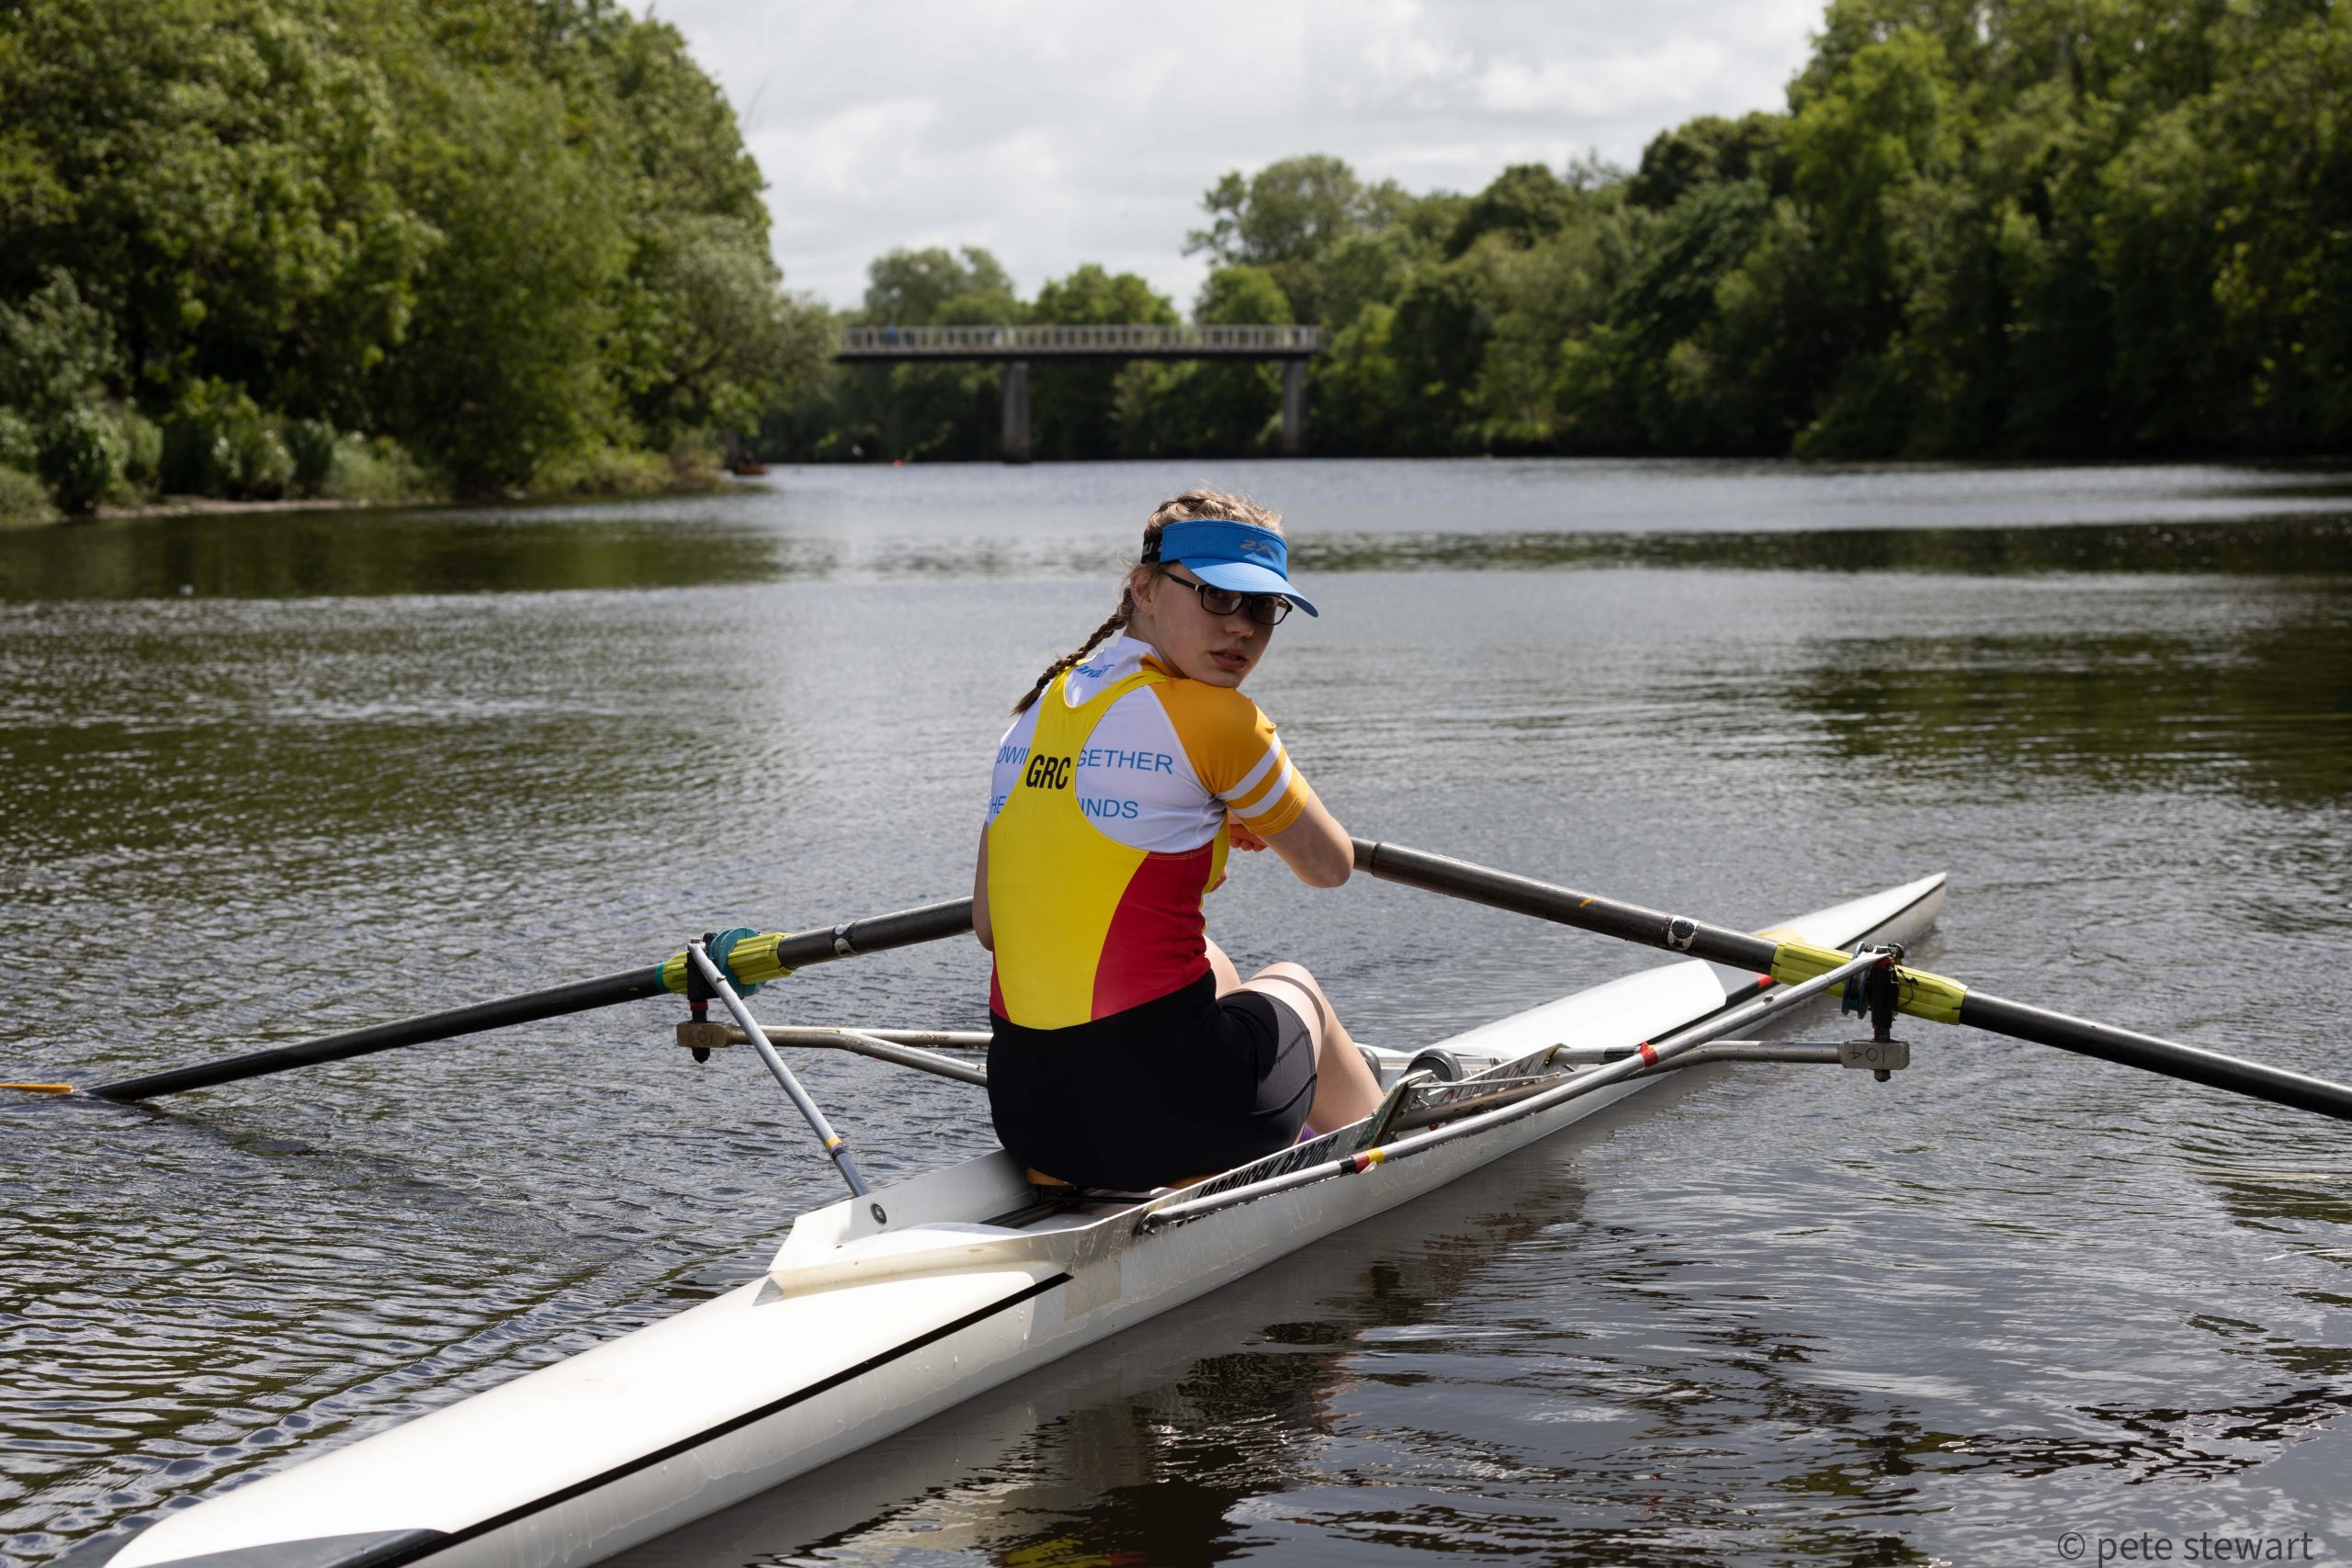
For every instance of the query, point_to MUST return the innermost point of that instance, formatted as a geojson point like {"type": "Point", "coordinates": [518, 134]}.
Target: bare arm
{"type": "Point", "coordinates": [1315, 845]}
{"type": "Point", "coordinates": [980, 926]}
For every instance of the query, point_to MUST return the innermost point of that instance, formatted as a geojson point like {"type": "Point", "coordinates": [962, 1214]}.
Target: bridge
{"type": "Point", "coordinates": [1015, 347]}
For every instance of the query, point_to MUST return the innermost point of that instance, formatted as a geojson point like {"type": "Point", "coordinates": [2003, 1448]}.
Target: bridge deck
{"type": "Point", "coordinates": [888, 345]}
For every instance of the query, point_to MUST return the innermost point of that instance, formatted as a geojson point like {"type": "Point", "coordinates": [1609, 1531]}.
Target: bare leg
{"type": "Point", "coordinates": [1345, 1089]}
{"type": "Point", "coordinates": [1228, 979]}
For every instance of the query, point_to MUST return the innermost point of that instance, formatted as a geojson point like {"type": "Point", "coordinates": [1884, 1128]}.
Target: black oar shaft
{"type": "Point", "coordinates": [2127, 1048]}
{"type": "Point", "coordinates": [1631, 922]}
{"type": "Point", "coordinates": [579, 996]}
{"type": "Point", "coordinates": [1565, 906]}
{"type": "Point", "coordinates": [901, 929]}
{"type": "Point", "coordinates": [907, 928]}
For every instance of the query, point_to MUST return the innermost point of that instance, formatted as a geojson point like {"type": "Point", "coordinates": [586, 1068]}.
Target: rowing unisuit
{"type": "Point", "coordinates": [1106, 828]}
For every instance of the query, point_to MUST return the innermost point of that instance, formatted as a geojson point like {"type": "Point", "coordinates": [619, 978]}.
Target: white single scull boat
{"type": "Point", "coordinates": [888, 1307]}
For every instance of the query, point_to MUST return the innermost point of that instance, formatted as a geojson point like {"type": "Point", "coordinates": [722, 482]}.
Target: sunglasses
{"type": "Point", "coordinates": [1266, 609]}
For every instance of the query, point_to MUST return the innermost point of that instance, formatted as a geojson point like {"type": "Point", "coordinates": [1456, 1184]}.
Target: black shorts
{"type": "Point", "coordinates": [1185, 1086]}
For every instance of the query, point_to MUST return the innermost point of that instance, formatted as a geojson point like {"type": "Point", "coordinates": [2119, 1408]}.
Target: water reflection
{"type": "Point", "coordinates": [967, 522]}
{"type": "Point", "coordinates": [2256, 545]}
{"type": "Point", "coordinates": [2258, 701]}
{"type": "Point", "coordinates": [371, 553]}
{"type": "Point", "coordinates": [1150, 1447]}
{"type": "Point", "coordinates": [302, 554]}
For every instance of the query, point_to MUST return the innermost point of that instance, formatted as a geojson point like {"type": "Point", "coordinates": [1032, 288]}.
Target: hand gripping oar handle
{"type": "Point", "coordinates": [1920, 994]}
{"type": "Point", "coordinates": [904, 927]}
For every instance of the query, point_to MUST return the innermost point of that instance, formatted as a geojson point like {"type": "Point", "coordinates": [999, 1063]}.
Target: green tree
{"type": "Point", "coordinates": [927, 411]}
{"type": "Point", "coordinates": [1534, 298]}
{"type": "Point", "coordinates": [215, 173]}
{"type": "Point", "coordinates": [1367, 269]}
{"type": "Point", "coordinates": [1284, 218]}
{"type": "Point", "coordinates": [506, 230]}
{"type": "Point", "coordinates": [1074, 407]}
{"type": "Point", "coordinates": [939, 287]}
{"type": "Point", "coordinates": [1526, 204]}
{"type": "Point", "coordinates": [1208, 406]}
{"type": "Point", "coordinates": [57, 350]}
{"type": "Point", "coordinates": [1359, 394]}
{"type": "Point", "coordinates": [1708, 151]}
{"type": "Point", "coordinates": [1654, 377]}
{"type": "Point", "coordinates": [700, 331]}
{"type": "Point", "coordinates": [2225, 239]}
{"type": "Point", "coordinates": [505, 370]}
{"type": "Point", "coordinates": [1439, 337]}
{"type": "Point", "coordinates": [806, 410]}
{"type": "Point", "coordinates": [712, 331]}
{"type": "Point", "coordinates": [1298, 207]}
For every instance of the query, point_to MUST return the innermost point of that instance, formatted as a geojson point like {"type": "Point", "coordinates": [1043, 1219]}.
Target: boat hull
{"type": "Point", "coordinates": [877, 1313]}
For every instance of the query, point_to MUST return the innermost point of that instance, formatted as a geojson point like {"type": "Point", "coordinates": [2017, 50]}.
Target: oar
{"type": "Point", "coordinates": [1920, 994]}
{"type": "Point", "coordinates": [756, 959]}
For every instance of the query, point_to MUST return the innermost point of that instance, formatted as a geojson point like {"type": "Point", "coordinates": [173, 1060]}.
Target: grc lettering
{"type": "Point", "coordinates": [1047, 772]}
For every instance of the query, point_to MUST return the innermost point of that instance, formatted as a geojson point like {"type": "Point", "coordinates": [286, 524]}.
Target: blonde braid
{"type": "Point", "coordinates": [1116, 622]}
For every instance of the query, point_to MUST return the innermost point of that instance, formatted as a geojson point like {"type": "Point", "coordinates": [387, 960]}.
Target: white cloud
{"type": "Point", "coordinates": [1675, 73]}
{"type": "Point", "coordinates": [1055, 132]}
{"type": "Point", "coordinates": [1405, 61]}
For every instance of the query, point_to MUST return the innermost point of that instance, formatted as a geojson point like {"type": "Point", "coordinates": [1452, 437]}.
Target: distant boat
{"type": "Point", "coordinates": [747, 465]}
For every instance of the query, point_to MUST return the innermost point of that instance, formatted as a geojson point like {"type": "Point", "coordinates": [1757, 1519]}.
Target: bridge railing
{"type": "Point", "coordinates": [1109, 340]}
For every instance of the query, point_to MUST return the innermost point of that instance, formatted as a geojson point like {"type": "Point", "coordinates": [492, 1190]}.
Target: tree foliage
{"type": "Point", "coordinates": [1074, 406]}
{"type": "Point", "coordinates": [2003, 228]}
{"type": "Point", "coordinates": [1527, 204]}
{"type": "Point", "coordinates": [1981, 227]}
{"type": "Point", "coordinates": [511, 235]}
{"type": "Point", "coordinates": [503, 231]}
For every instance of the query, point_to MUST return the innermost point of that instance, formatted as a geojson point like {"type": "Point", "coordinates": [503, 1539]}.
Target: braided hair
{"type": "Point", "coordinates": [1192, 506]}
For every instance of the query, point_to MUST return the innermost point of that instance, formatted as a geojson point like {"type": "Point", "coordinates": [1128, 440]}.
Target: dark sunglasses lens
{"type": "Point", "coordinates": [1266, 609]}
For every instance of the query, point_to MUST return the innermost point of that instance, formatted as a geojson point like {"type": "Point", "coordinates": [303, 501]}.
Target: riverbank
{"type": "Point", "coordinates": [609, 477]}
{"type": "Point", "coordinates": [205, 505]}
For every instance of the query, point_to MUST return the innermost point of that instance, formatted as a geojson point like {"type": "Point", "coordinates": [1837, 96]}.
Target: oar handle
{"type": "Point", "coordinates": [903, 927]}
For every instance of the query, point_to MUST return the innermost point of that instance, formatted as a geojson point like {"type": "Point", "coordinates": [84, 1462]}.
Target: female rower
{"type": "Point", "coordinates": [1129, 1054]}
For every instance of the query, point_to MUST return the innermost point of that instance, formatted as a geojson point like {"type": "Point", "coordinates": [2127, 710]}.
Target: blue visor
{"type": "Point", "coordinates": [1240, 557]}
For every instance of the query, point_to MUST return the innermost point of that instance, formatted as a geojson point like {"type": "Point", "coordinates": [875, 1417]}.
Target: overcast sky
{"type": "Point", "coordinates": [1055, 132]}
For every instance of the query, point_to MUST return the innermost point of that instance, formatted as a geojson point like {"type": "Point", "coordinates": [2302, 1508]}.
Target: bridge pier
{"type": "Point", "coordinates": [1016, 411]}
{"type": "Point", "coordinates": [1293, 407]}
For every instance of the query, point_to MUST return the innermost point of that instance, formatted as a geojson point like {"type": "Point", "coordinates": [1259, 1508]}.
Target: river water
{"type": "Point", "coordinates": [263, 777]}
